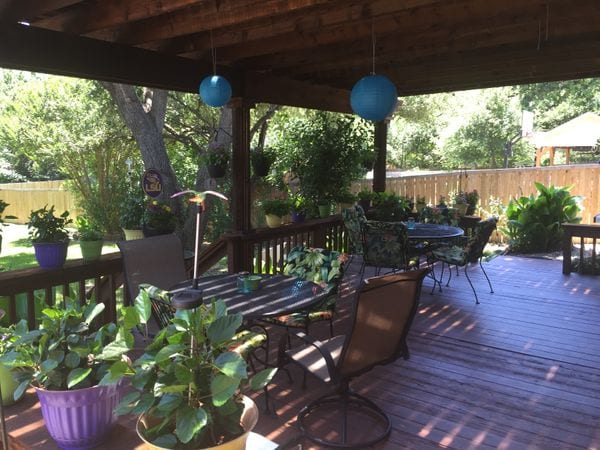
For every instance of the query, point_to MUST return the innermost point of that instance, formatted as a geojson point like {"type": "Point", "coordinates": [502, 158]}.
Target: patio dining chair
{"type": "Point", "coordinates": [471, 252]}
{"type": "Point", "coordinates": [383, 313]}
{"type": "Point", "coordinates": [354, 218]}
{"type": "Point", "coordinates": [386, 245]}
{"type": "Point", "coordinates": [317, 265]}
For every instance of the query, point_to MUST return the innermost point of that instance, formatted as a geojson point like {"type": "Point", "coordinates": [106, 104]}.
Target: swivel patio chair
{"type": "Point", "coordinates": [354, 219]}
{"type": "Point", "coordinates": [386, 245]}
{"type": "Point", "coordinates": [319, 266]}
{"type": "Point", "coordinates": [471, 252]}
{"type": "Point", "coordinates": [383, 313]}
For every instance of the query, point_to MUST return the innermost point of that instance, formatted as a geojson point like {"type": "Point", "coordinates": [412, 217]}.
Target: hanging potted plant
{"type": "Point", "coordinates": [188, 383]}
{"type": "Point", "coordinates": [132, 211]}
{"type": "Point", "coordinates": [90, 239]}
{"type": "Point", "coordinates": [274, 211]}
{"type": "Point", "coordinates": [158, 218]}
{"type": "Point", "coordinates": [261, 160]}
{"type": "Point", "coordinates": [3, 206]}
{"type": "Point", "coordinates": [75, 367]}
{"type": "Point", "coordinates": [49, 236]}
{"type": "Point", "coordinates": [472, 200]}
{"type": "Point", "coordinates": [216, 159]}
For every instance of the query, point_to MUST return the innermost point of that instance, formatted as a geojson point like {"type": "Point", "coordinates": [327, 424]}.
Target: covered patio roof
{"type": "Point", "coordinates": [306, 53]}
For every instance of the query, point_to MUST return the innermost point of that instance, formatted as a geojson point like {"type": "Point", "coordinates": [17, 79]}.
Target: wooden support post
{"type": "Point", "coordinates": [240, 189]}
{"type": "Point", "coordinates": [379, 168]}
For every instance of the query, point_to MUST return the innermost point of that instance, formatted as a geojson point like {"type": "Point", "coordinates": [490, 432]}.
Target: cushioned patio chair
{"type": "Point", "coordinates": [471, 252]}
{"type": "Point", "coordinates": [354, 219]}
{"type": "Point", "coordinates": [324, 267]}
{"type": "Point", "coordinates": [383, 313]}
{"type": "Point", "coordinates": [386, 245]}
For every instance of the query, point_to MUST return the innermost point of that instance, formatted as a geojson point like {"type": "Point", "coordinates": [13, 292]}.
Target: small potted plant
{"type": "Point", "coordinates": [188, 382]}
{"type": "Point", "coordinates": [50, 237]}
{"type": "Point", "coordinates": [345, 199]}
{"type": "Point", "coordinates": [8, 376]}
{"type": "Point", "coordinates": [132, 212]}
{"type": "Point", "coordinates": [472, 200]}
{"type": "Point", "coordinates": [75, 367]}
{"type": "Point", "coordinates": [261, 160]}
{"type": "Point", "coordinates": [364, 199]}
{"type": "Point", "coordinates": [216, 159]}
{"type": "Point", "coordinates": [420, 204]}
{"type": "Point", "coordinates": [3, 206]}
{"type": "Point", "coordinates": [275, 210]}
{"type": "Point", "coordinates": [298, 204]}
{"type": "Point", "coordinates": [158, 218]}
{"type": "Point", "coordinates": [460, 203]}
{"type": "Point", "coordinates": [90, 238]}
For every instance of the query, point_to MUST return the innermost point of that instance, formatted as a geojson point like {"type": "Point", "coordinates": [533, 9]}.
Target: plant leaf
{"type": "Point", "coordinates": [165, 441]}
{"type": "Point", "coordinates": [167, 352]}
{"type": "Point", "coordinates": [92, 313]}
{"type": "Point", "coordinates": [72, 360]}
{"type": "Point", "coordinates": [188, 422]}
{"type": "Point", "coordinates": [143, 306]}
{"type": "Point", "coordinates": [262, 378]}
{"type": "Point", "coordinates": [76, 376]}
{"type": "Point", "coordinates": [223, 328]}
{"type": "Point", "coordinates": [169, 402]}
{"type": "Point", "coordinates": [232, 364]}
{"type": "Point", "coordinates": [127, 404]}
{"type": "Point", "coordinates": [222, 388]}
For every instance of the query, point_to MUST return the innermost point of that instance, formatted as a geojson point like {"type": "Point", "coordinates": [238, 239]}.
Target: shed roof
{"type": "Point", "coordinates": [582, 131]}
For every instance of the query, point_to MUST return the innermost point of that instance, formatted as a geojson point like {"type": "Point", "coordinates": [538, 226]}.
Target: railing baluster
{"type": "Point", "coordinates": [48, 296]}
{"type": "Point", "coordinates": [581, 249]}
{"type": "Point", "coordinates": [593, 256]}
{"type": "Point", "coordinates": [31, 309]}
{"type": "Point", "coordinates": [12, 308]}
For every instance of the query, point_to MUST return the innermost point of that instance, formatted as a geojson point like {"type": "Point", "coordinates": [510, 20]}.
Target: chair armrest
{"type": "Point", "coordinates": [331, 369]}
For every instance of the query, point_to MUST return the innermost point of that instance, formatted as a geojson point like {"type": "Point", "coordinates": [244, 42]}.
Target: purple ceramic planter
{"type": "Point", "coordinates": [80, 419]}
{"type": "Point", "coordinates": [51, 255]}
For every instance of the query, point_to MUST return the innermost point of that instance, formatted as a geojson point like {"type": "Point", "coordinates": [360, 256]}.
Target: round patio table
{"type": "Point", "coordinates": [277, 294]}
{"type": "Point", "coordinates": [431, 231]}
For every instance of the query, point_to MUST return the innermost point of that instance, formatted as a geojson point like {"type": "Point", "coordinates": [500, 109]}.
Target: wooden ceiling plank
{"type": "Point", "coordinates": [89, 17]}
{"type": "Point", "coordinates": [29, 10]}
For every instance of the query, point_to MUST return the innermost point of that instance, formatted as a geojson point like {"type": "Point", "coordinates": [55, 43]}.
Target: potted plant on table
{"type": "Point", "coordinates": [216, 159]}
{"type": "Point", "coordinates": [75, 367]}
{"type": "Point", "coordinates": [90, 237]}
{"type": "Point", "coordinates": [364, 199]}
{"type": "Point", "coordinates": [345, 199]}
{"type": "Point", "coordinates": [460, 203]}
{"type": "Point", "coordinates": [158, 218]}
{"type": "Point", "coordinates": [275, 210]}
{"type": "Point", "coordinates": [132, 212]}
{"type": "Point", "coordinates": [188, 382]}
{"type": "Point", "coordinates": [420, 204]}
{"type": "Point", "coordinates": [49, 236]}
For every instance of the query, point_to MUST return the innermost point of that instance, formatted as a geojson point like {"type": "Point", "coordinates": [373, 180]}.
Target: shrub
{"type": "Point", "coordinates": [390, 207]}
{"type": "Point", "coordinates": [534, 223]}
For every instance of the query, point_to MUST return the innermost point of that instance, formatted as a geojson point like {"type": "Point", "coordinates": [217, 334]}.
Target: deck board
{"type": "Point", "coordinates": [521, 370]}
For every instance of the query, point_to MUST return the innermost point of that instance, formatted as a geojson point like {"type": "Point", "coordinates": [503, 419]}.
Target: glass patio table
{"type": "Point", "coordinates": [277, 294]}
{"type": "Point", "coordinates": [433, 231]}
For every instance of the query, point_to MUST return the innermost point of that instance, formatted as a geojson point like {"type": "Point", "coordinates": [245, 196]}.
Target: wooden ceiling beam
{"type": "Point", "coordinates": [201, 17]}
{"type": "Point", "coordinates": [88, 17]}
{"type": "Point", "coordinates": [28, 10]}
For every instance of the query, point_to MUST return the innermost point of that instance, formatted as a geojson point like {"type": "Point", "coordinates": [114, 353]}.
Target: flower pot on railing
{"type": "Point", "coordinates": [273, 221]}
{"type": "Point", "coordinates": [298, 216]}
{"type": "Point", "coordinates": [131, 235]}
{"type": "Point", "coordinates": [50, 255]}
{"type": "Point", "coordinates": [324, 210]}
{"type": "Point", "coordinates": [91, 250]}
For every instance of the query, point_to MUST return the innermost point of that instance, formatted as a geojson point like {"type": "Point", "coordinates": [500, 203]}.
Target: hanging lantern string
{"type": "Point", "coordinates": [373, 43]}
{"type": "Point", "coordinates": [213, 54]}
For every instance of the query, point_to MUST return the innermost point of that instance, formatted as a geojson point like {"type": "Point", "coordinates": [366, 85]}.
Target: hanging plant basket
{"type": "Point", "coordinates": [216, 171]}
{"type": "Point", "coordinates": [261, 168]}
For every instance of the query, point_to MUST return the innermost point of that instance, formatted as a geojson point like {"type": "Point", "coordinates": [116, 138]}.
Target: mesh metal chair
{"type": "Point", "coordinates": [471, 252]}
{"type": "Point", "coordinates": [384, 311]}
{"type": "Point", "coordinates": [354, 218]}
{"type": "Point", "coordinates": [155, 260]}
{"type": "Point", "coordinates": [386, 245]}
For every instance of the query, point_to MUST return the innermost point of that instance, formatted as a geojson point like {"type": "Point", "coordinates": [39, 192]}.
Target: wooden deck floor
{"type": "Point", "coordinates": [520, 370]}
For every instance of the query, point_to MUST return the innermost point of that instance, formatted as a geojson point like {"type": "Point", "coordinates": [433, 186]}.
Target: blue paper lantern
{"type": "Point", "coordinates": [373, 97]}
{"type": "Point", "coordinates": [215, 90]}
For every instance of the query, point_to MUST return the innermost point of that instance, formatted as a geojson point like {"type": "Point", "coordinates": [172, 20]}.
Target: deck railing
{"type": "Point", "coordinates": [264, 250]}
{"type": "Point", "coordinates": [24, 293]}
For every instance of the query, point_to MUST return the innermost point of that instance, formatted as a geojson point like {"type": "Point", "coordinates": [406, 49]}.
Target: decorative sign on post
{"type": "Point", "coordinates": [152, 183]}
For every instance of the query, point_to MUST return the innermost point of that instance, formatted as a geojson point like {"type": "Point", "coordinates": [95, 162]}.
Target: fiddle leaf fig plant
{"type": "Point", "coordinates": [189, 378]}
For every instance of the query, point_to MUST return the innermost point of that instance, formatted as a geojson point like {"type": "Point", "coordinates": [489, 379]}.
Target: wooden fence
{"type": "Point", "coordinates": [500, 184]}
{"type": "Point", "coordinates": [25, 197]}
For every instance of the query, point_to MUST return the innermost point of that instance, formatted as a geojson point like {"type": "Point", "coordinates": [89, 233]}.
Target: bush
{"type": "Point", "coordinates": [390, 207]}
{"type": "Point", "coordinates": [534, 224]}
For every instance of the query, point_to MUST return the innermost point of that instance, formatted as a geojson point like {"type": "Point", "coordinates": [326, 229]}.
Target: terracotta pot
{"type": "Point", "coordinates": [248, 420]}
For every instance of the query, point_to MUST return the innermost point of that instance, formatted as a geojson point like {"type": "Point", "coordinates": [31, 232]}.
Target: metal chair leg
{"type": "Point", "coordinates": [472, 287]}
{"type": "Point", "coordinates": [486, 277]}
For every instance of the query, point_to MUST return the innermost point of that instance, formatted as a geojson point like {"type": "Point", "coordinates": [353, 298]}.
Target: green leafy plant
{"type": "Point", "coordinates": [87, 230]}
{"type": "Point", "coordinates": [472, 198]}
{"type": "Point", "coordinates": [132, 210]}
{"type": "Point", "coordinates": [534, 223]}
{"type": "Point", "coordinates": [390, 207]}
{"type": "Point", "coordinates": [365, 195]}
{"type": "Point", "coordinates": [261, 160]}
{"type": "Point", "coordinates": [345, 197]}
{"type": "Point", "coordinates": [189, 379]}
{"type": "Point", "coordinates": [298, 203]}
{"type": "Point", "coordinates": [68, 352]}
{"type": "Point", "coordinates": [45, 226]}
{"type": "Point", "coordinates": [217, 155]}
{"type": "Point", "coordinates": [460, 198]}
{"type": "Point", "coordinates": [276, 207]}
{"type": "Point", "coordinates": [159, 216]}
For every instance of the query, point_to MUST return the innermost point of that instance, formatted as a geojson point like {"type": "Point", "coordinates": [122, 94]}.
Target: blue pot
{"type": "Point", "coordinates": [51, 255]}
{"type": "Point", "coordinates": [298, 216]}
